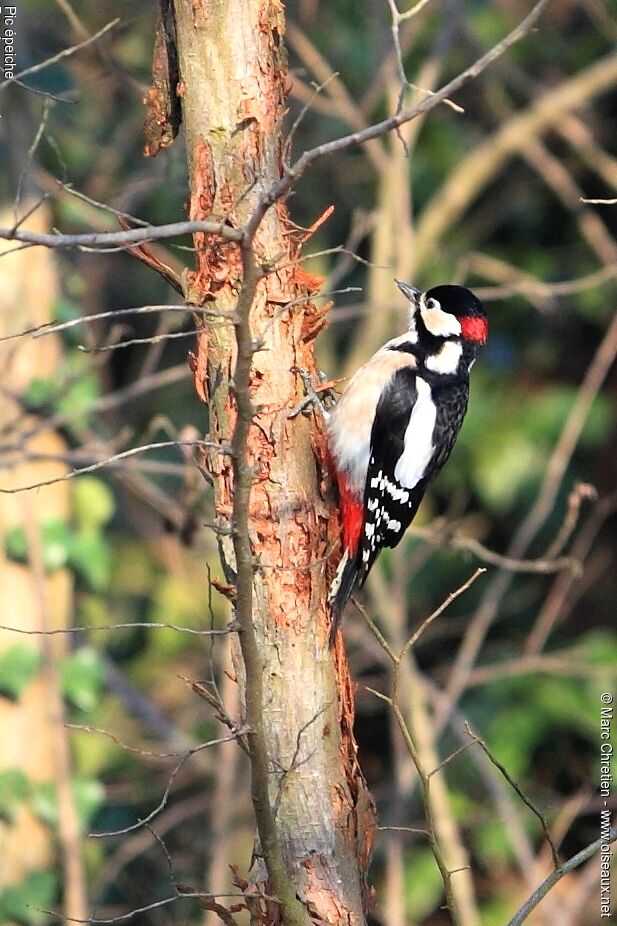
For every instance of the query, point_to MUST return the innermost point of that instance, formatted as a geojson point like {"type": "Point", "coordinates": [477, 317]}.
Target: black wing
{"type": "Point", "coordinates": [389, 507]}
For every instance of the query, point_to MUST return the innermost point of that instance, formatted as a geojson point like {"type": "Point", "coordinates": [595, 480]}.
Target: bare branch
{"type": "Point", "coordinates": [163, 802]}
{"type": "Point", "coordinates": [458, 541]}
{"type": "Point", "coordinates": [105, 241]}
{"type": "Point", "coordinates": [65, 53]}
{"type": "Point", "coordinates": [438, 611]}
{"type": "Point", "coordinates": [86, 728]}
{"type": "Point", "coordinates": [110, 461]}
{"type": "Point", "coordinates": [282, 187]}
{"type": "Point", "coordinates": [146, 625]}
{"type": "Point", "coordinates": [519, 791]}
{"type": "Point", "coordinates": [571, 865]}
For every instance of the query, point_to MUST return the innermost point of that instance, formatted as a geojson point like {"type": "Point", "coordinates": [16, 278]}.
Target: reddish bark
{"type": "Point", "coordinates": [233, 70]}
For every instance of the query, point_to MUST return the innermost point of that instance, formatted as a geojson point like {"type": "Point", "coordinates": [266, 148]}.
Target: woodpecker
{"type": "Point", "coordinates": [396, 423]}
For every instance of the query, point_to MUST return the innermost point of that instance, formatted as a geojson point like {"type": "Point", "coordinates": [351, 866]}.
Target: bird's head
{"type": "Point", "coordinates": [451, 312]}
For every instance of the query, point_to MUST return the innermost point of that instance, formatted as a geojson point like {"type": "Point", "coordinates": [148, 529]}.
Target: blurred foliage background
{"type": "Point", "coordinates": [489, 197]}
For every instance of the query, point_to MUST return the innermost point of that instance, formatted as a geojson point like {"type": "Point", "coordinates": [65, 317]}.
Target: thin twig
{"type": "Point", "coordinates": [438, 611]}
{"type": "Point", "coordinates": [65, 53]}
{"type": "Point", "coordinates": [121, 239]}
{"type": "Point", "coordinates": [519, 791]}
{"type": "Point", "coordinates": [146, 625]}
{"type": "Point", "coordinates": [556, 875]}
{"type": "Point", "coordinates": [110, 461]}
{"type": "Point", "coordinates": [293, 172]}
{"type": "Point", "coordinates": [458, 541]}
{"type": "Point", "coordinates": [86, 728]}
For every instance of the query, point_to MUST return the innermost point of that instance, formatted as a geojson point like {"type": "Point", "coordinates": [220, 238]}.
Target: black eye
{"type": "Point", "coordinates": [432, 304]}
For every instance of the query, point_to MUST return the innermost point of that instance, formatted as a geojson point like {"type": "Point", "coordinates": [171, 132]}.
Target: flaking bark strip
{"type": "Point", "coordinates": [163, 113]}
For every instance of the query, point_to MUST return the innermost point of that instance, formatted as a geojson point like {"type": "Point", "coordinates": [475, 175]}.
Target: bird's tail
{"type": "Point", "coordinates": [341, 589]}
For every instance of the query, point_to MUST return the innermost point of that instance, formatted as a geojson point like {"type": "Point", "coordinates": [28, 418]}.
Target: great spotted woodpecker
{"type": "Point", "coordinates": [394, 426]}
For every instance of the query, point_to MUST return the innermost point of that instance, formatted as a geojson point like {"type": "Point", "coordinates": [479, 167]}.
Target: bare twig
{"type": "Point", "coordinates": [105, 241]}
{"type": "Point", "coordinates": [459, 541]}
{"type": "Point", "coordinates": [527, 531]}
{"type": "Point", "coordinates": [140, 751]}
{"type": "Point", "coordinates": [65, 53]}
{"type": "Point", "coordinates": [163, 802]}
{"type": "Point", "coordinates": [430, 811]}
{"type": "Point", "coordinates": [519, 791]}
{"type": "Point", "coordinates": [145, 625]}
{"type": "Point", "coordinates": [293, 172]}
{"type": "Point", "coordinates": [571, 865]}
{"type": "Point", "coordinates": [110, 461]}
{"type": "Point", "coordinates": [437, 612]}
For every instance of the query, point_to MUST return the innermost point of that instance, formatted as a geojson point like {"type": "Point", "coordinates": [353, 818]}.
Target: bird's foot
{"type": "Point", "coordinates": [321, 396]}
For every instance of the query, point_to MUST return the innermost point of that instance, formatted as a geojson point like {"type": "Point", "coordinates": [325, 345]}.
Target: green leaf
{"type": "Point", "coordinates": [26, 903]}
{"type": "Point", "coordinates": [93, 503]}
{"type": "Point", "coordinates": [65, 310]}
{"type": "Point", "coordinates": [512, 742]}
{"type": "Point", "coordinates": [423, 885]}
{"type": "Point", "coordinates": [76, 399]}
{"type": "Point", "coordinates": [55, 538]}
{"type": "Point", "coordinates": [90, 557]}
{"type": "Point", "coordinates": [82, 678]}
{"type": "Point", "coordinates": [600, 647]}
{"type": "Point", "coordinates": [14, 790]}
{"type": "Point", "coordinates": [89, 796]}
{"type": "Point", "coordinates": [18, 664]}
{"type": "Point", "coordinates": [40, 391]}
{"type": "Point", "coordinates": [44, 802]}
{"type": "Point", "coordinates": [15, 544]}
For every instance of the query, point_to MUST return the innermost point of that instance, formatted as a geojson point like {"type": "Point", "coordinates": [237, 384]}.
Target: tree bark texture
{"type": "Point", "coordinates": [232, 84]}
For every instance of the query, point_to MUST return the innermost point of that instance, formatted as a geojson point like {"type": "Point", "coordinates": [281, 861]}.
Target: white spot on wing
{"type": "Point", "coordinates": [418, 441]}
{"type": "Point", "coordinates": [396, 492]}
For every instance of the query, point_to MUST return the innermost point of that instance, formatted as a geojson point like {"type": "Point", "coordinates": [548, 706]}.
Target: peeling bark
{"type": "Point", "coordinates": [163, 113]}
{"type": "Point", "coordinates": [233, 71]}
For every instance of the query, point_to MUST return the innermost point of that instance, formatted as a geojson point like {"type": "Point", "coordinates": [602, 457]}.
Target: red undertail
{"type": "Point", "coordinates": [352, 510]}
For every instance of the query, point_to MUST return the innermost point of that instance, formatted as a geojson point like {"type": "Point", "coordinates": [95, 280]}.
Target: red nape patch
{"type": "Point", "coordinates": [474, 328]}
{"type": "Point", "coordinates": [353, 515]}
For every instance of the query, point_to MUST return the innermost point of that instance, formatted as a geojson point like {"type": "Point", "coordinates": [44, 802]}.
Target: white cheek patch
{"type": "Point", "coordinates": [418, 441]}
{"type": "Point", "coordinates": [439, 323]}
{"type": "Point", "coordinates": [447, 358]}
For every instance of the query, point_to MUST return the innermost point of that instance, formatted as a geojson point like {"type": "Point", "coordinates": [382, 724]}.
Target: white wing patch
{"type": "Point", "coordinates": [418, 442]}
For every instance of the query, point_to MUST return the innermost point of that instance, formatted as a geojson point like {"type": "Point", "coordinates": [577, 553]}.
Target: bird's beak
{"type": "Point", "coordinates": [412, 293]}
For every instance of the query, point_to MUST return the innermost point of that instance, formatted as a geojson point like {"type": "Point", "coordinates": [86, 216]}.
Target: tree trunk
{"type": "Point", "coordinates": [232, 83]}
{"type": "Point", "coordinates": [33, 737]}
